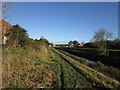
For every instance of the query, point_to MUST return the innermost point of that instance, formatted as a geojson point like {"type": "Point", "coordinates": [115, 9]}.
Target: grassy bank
{"type": "Point", "coordinates": [26, 68]}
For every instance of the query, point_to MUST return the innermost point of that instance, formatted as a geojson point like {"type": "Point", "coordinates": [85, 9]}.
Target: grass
{"type": "Point", "coordinates": [66, 76]}
{"type": "Point", "coordinates": [49, 68]}
{"type": "Point", "coordinates": [106, 70]}
{"type": "Point", "coordinates": [92, 75]}
{"type": "Point", "coordinates": [95, 49]}
{"type": "Point", "coordinates": [26, 67]}
{"type": "Point", "coordinates": [113, 50]}
{"type": "Point", "coordinates": [41, 62]}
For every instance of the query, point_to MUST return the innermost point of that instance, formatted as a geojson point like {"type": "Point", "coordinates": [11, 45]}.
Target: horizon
{"type": "Point", "coordinates": [60, 22]}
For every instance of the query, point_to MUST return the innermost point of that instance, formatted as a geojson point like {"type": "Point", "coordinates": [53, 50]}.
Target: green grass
{"type": "Point", "coordinates": [92, 75]}
{"type": "Point", "coordinates": [106, 70]}
{"type": "Point", "coordinates": [66, 76]}
{"type": "Point", "coordinates": [94, 49]}
{"type": "Point", "coordinates": [41, 62]}
{"type": "Point", "coordinates": [113, 50]}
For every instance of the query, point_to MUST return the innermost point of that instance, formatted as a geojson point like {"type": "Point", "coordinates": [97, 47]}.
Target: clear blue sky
{"type": "Point", "coordinates": [62, 22]}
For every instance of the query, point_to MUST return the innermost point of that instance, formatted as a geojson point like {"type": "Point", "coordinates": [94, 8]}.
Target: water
{"type": "Point", "coordinates": [88, 61]}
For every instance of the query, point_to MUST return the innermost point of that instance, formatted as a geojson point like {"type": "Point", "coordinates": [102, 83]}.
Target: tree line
{"type": "Point", "coordinates": [18, 37]}
{"type": "Point", "coordinates": [73, 43]}
{"type": "Point", "coordinates": [102, 39]}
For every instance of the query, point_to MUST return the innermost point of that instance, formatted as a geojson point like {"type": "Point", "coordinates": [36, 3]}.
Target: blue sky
{"type": "Point", "coordinates": [61, 22]}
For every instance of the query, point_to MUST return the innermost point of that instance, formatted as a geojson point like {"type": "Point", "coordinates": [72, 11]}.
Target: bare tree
{"type": "Point", "coordinates": [101, 37]}
{"type": "Point", "coordinates": [7, 9]}
{"type": "Point", "coordinates": [6, 12]}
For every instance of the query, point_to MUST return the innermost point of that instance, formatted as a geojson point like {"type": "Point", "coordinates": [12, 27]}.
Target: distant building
{"type": "Point", "coordinates": [61, 45]}
{"type": "Point", "coordinates": [56, 46]}
{"type": "Point", "coordinates": [66, 45]}
{"type": "Point", "coordinates": [5, 26]}
{"type": "Point", "coordinates": [80, 45]}
{"type": "Point", "coordinates": [50, 45]}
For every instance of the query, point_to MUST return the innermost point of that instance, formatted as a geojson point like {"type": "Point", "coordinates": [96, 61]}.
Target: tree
{"type": "Point", "coordinates": [7, 9]}
{"type": "Point", "coordinates": [75, 43]}
{"type": "Point", "coordinates": [6, 12]}
{"type": "Point", "coordinates": [4, 7]}
{"type": "Point", "coordinates": [101, 37]}
{"type": "Point", "coordinates": [44, 41]}
{"type": "Point", "coordinates": [90, 45]}
{"type": "Point", "coordinates": [37, 41]}
{"type": "Point", "coordinates": [17, 36]}
{"type": "Point", "coordinates": [51, 44]}
{"type": "Point", "coordinates": [70, 43]}
{"type": "Point", "coordinates": [116, 44]}
{"type": "Point", "coordinates": [82, 43]}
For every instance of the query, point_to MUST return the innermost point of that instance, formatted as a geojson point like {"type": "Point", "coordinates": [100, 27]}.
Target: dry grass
{"type": "Point", "coordinates": [26, 68]}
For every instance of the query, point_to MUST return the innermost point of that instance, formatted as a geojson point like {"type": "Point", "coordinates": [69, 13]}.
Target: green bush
{"type": "Point", "coordinates": [17, 36]}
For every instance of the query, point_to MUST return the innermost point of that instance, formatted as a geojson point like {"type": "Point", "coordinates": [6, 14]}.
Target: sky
{"type": "Point", "coordinates": [60, 22]}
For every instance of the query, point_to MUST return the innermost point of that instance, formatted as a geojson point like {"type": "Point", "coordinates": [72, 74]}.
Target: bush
{"type": "Point", "coordinates": [44, 41]}
{"type": "Point", "coordinates": [17, 36]}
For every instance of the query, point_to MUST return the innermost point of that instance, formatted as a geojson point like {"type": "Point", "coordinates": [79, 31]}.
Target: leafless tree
{"type": "Point", "coordinates": [6, 12]}
{"type": "Point", "coordinates": [7, 9]}
{"type": "Point", "coordinates": [101, 37]}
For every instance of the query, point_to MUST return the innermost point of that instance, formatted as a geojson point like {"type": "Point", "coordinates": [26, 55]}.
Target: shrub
{"type": "Point", "coordinates": [17, 36]}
